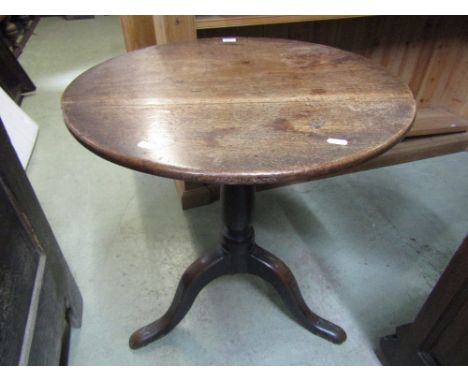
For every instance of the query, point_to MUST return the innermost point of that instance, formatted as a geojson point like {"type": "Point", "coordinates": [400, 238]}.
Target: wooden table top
{"type": "Point", "coordinates": [246, 112]}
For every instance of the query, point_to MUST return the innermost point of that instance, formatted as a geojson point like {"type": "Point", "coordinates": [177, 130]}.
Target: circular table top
{"type": "Point", "coordinates": [246, 112]}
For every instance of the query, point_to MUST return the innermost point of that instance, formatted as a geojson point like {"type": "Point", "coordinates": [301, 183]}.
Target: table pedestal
{"type": "Point", "coordinates": [237, 253]}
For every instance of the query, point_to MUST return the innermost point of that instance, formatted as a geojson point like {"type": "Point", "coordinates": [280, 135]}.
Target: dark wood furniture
{"type": "Point", "coordinates": [39, 298]}
{"type": "Point", "coordinates": [14, 33]}
{"type": "Point", "coordinates": [439, 334]}
{"type": "Point", "coordinates": [13, 78]}
{"type": "Point", "coordinates": [426, 52]}
{"type": "Point", "coordinates": [238, 113]}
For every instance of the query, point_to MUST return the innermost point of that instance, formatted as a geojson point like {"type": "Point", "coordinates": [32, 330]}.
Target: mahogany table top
{"type": "Point", "coordinates": [252, 111]}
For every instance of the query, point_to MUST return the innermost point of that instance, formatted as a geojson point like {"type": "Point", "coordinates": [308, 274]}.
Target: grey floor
{"type": "Point", "coordinates": [366, 248]}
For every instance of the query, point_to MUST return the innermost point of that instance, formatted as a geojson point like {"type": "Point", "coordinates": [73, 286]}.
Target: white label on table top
{"type": "Point", "coordinates": [336, 141]}
{"type": "Point", "coordinates": [229, 40]}
{"type": "Point", "coordinates": [146, 145]}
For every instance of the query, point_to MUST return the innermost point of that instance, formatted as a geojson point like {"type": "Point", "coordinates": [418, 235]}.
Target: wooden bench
{"type": "Point", "coordinates": [429, 53]}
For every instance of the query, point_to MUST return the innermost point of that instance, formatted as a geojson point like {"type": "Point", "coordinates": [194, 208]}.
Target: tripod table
{"type": "Point", "coordinates": [238, 112]}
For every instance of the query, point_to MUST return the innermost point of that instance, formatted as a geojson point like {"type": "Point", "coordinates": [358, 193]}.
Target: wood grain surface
{"type": "Point", "coordinates": [210, 21]}
{"type": "Point", "coordinates": [251, 112]}
{"type": "Point", "coordinates": [138, 31]}
{"type": "Point", "coordinates": [170, 29]}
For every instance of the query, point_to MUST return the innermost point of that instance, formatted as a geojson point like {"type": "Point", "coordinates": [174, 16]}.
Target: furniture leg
{"type": "Point", "coordinates": [237, 253]}
{"type": "Point", "coordinates": [200, 273]}
{"type": "Point", "coordinates": [272, 269]}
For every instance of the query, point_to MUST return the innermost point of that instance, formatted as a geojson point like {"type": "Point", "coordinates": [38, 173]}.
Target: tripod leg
{"type": "Point", "coordinates": [267, 266]}
{"type": "Point", "coordinates": [200, 273]}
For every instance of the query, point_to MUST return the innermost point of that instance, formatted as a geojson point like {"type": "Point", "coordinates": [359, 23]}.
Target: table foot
{"type": "Point", "coordinates": [271, 269]}
{"type": "Point", "coordinates": [200, 273]}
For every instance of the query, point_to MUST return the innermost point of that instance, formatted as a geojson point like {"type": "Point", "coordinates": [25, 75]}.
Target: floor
{"type": "Point", "coordinates": [366, 248]}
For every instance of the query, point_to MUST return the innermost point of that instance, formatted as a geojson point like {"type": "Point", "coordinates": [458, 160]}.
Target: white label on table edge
{"type": "Point", "coordinates": [147, 145]}
{"type": "Point", "coordinates": [229, 40]}
{"type": "Point", "coordinates": [336, 141]}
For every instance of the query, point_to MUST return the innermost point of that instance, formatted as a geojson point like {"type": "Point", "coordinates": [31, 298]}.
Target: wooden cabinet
{"type": "Point", "coordinates": [39, 299]}
{"type": "Point", "coordinates": [439, 334]}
